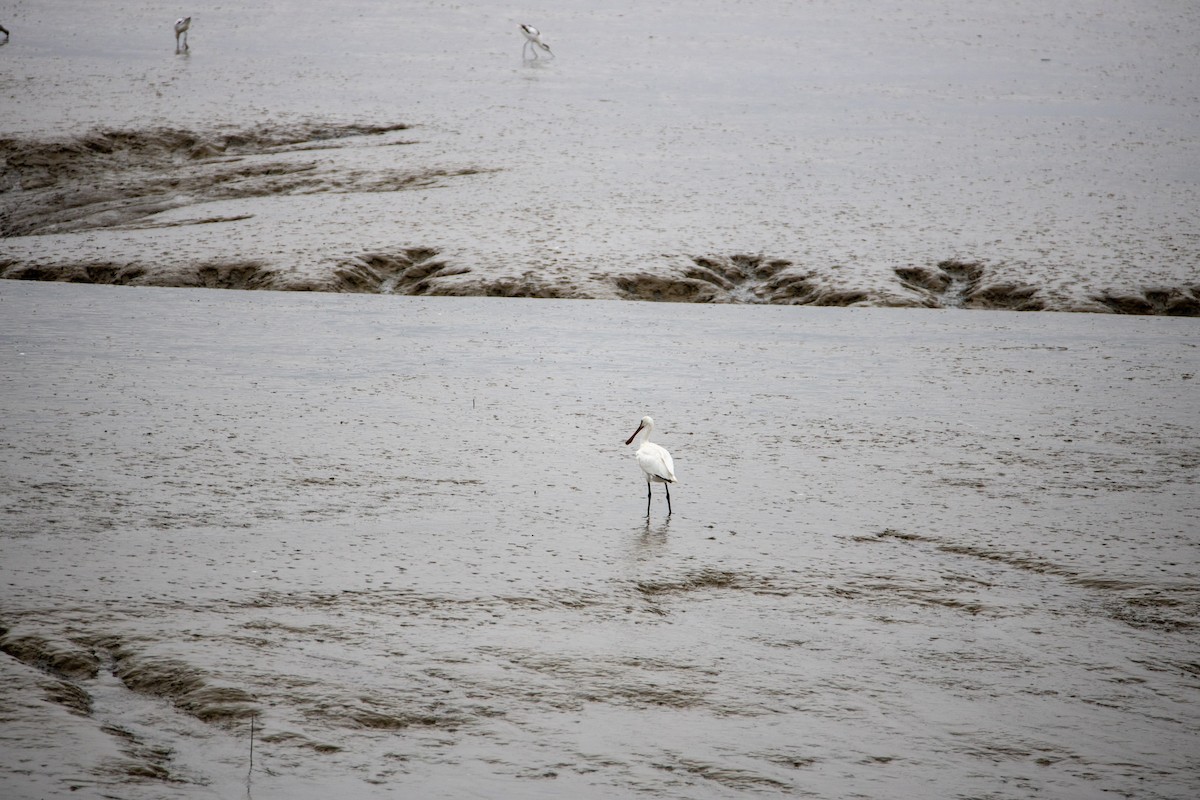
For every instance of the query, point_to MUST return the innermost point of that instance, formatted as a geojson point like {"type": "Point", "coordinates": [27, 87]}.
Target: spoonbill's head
{"type": "Point", "coordinates": [647, 424]}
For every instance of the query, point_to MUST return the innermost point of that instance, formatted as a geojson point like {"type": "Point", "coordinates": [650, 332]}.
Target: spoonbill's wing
{"type": "Point", "coordinates": [656, 461]}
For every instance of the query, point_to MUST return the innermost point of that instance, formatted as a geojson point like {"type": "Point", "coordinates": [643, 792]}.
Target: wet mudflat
{"type": "Point", "coordinates": [918, 153]}
{"type": "Point", "coordinates": [914, 553]}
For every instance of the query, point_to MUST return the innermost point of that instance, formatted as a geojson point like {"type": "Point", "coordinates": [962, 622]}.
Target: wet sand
{"type": "Point", "coordinates": [914, 553]}
{"type": "Point", "coordinates": [919, 154]}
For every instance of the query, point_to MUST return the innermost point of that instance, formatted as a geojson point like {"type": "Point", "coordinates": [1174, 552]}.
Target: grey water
{"type": "Point", "coordinates": [912, 553]}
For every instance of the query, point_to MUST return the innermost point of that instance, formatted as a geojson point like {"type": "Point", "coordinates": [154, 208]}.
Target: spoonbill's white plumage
{"type": "Point", "coordinates": [654, 460]}
{"type": "Point", "coordinates": [533, 40]}
{"type": "Point", "coordinates": [181, 28]}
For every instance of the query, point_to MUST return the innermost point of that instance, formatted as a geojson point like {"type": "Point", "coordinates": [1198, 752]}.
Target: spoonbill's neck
{"type": "Point", "coordinates": [642, 437]}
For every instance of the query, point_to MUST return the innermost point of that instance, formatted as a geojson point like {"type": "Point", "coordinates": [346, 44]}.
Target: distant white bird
{"type": "Point", "coordinates": [654, 460]}
{"type": "Point", "coordinates": [181, 28]}
{"type": "Point", "coordinates": [533, 40]}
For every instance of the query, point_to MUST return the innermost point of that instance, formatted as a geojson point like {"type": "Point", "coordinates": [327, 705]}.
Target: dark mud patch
{"type": "Point", "coordinates": [739, 278]}
{"type": "Point", "coordinates": [740, 780]}
{"type": "Point", "coordinates": [1125, 600]}
{"type": "Point", "coordinates": [790, 759]}
{"type": "Point", "coordinates": [743, 278]}
{"type": "Point", "coordinates": [206, 275]}
{"type": "Point", "coordinates": [885, 589]}
{"type": "Point", "coordinates": [1175, 301]}
{"type": "Point", "coordinates": [1015, 560]}
{"type": "Point", "coordinates": [65, 664]}
{"type": "Point", "coordinates": [528, 284]}
{"type": "Point", "coordinates": [964, 284]}
{"type": "Point", "coordinates": [114, 178]}
{"type": "Point", "coordinates": [1185, 669]}
{"type": "Point", "coordinates": [299, 740]}
{"type": "Point", "coordinates": [410, 271]}
{"type": "Point", "coordinates": [406, 270]}
{"type": "Point", "coordinates": [726, 279]}
{"type": "Point", "coordinates": [569, 681]}
{"type": "Point", "coordinates": [187, 688]}
{"type": "Point", "coordinates": [644, 694]}
{"type": "Point", "coordinates": [58, 658]}
{"type": "Point", "coordinates": [401, 601]}
{"type": "Point", "coordinates": [139, 226]}
{"type": "Point", "coordinates": [1157, 611]}
{"type": "Point", "coordinates": [145, 761]}
{"type": "Point", "coordinates": [69, 695]}
{"type": "Point", "coordinates": [706, 580]}
{"type": "Point", "coordinates": [379, 720]}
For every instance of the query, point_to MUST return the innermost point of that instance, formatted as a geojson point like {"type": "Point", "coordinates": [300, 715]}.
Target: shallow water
{"type": "Point", "coordinates": [1054, 146]}
{"type": "Point", "coordinates": [940, 553]}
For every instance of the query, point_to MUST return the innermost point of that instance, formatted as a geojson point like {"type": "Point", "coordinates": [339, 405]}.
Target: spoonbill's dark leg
{"type": "Point", "coordinates": [648, 496]}
{"type": "Point", "coordinates": [667, 486]}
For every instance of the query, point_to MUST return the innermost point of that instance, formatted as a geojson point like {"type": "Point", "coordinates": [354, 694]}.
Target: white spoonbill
{"type": "Point", "coordinates": [654, 460]}
{"type": "Point", "coordinates": [181, 28]}
{"type": "Point", "coordinates": [533, 37]}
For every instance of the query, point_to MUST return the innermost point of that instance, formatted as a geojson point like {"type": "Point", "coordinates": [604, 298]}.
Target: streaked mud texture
{"type": "Point", "coordinates": [677, 152]}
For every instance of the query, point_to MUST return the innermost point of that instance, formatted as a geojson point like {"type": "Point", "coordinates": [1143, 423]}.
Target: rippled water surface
{"type": "Point", "coordinates": [912, 554]}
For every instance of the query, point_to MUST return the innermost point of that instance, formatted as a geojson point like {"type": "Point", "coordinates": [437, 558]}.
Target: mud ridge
{"type": "Point", "coordinates": [1174, 301]}
{"type": "Point", "coordinates": [114, 178]}
{"type": "Point", "coordinates": [406, 270]}
{"type": "Point", "coordinates": [410, 271]}
{"type": "Point", "coordinates": [963, 284]}
{"type": "Point", "coordinates": [1123, 600]}
{"type": "Point", "coordinates": [887, 590]}
{"type": "Point", "coordinates": [739, 278]}
{"type": "Point", "coordinates": [708, 580]}
{"type": "Point", "coordinates": [743, 278]}
{"type": "Point", "coordinates": [740, 780]}
{"type": "Point", "coordinates": [575, 680]}
{"type": "Point", "coordinates": [69, 695]}
{"type": "Point", "coordinates": [145, 761]}
{"type": "Point", "coordinates": [187, 688]}
{"type": "Point", "coordinates": [1156, 611]}
{"type": "Point", "coordinates": [57, 658]}
{"type": "Point", "coordinates": [1015, 560]}
{"type": "Point", "coordinates": [393, 720]}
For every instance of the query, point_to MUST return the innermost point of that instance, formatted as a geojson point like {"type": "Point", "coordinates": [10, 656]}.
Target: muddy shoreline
{"type": "Point", "coordinates": [1021, 157]}
{"type": "Point", "coordinates": [125, 180]}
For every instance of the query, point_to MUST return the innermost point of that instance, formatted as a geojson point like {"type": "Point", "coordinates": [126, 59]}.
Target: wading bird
{"type": "Point", "coordinates": [181, 28]}
{"type": "Point", "coordinates": [533, 37]}
{"type": "Point", "coordinates": [654, 460]}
